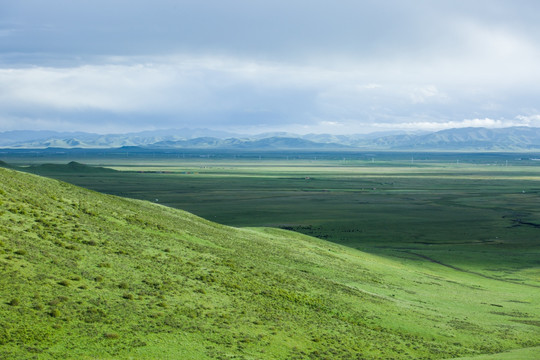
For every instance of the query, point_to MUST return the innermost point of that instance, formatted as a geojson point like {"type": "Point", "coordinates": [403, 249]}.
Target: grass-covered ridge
{"type": "Point", "coordinates": [86, 275]}
{"type": "Point", "coordinates": [71, 167]}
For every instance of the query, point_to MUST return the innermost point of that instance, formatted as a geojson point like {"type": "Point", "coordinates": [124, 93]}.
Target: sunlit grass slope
{"type": "Point", "coordinates": [90, 276]}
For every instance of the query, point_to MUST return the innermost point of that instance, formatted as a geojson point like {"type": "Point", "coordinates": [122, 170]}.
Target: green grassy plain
{"type": "Point", "coordinates": [473, 216]}
{"type": "Point", "coordinates": [449, 262]}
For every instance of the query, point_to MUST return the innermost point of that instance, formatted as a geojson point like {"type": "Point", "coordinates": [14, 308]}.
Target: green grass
{"type": "Point", "coordinates": [529, 353]}
{"type": "Point", "coordinates": [475, 217]}
{"type": "Point", "coordinates": [86, 275]}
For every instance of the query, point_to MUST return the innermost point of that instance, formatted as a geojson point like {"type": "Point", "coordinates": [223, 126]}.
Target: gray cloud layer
{"type": "Point", "coordinates": [261, 65]}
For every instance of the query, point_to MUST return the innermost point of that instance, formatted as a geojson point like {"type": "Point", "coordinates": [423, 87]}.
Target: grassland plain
{"type": "Point", "coordinates": [86, 275]}
{"type": "Point", "coordinates": [474, 216]}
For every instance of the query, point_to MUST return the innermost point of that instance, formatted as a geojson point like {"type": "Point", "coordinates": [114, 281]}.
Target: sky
{"type": "Point", "coordinates": [253, 66]}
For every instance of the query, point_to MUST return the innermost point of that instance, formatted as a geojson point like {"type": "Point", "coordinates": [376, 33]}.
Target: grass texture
{"type": "Point", "coordinates": [86, 275]}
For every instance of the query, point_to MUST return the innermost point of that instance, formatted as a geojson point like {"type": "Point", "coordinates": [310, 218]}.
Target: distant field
{"type": "Point", "coordinates": [469, 212]}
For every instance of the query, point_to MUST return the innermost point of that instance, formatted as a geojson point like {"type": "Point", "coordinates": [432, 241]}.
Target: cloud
{"type": "Point", "coordinates": [296, 64]}
{"type": "Point", "coordinates": [486, 122]}
{"type": "Point", "coordinates": [173, 83]}
{"type": "Point", "coordinates": [6, 32]}
{"type": "Point", "coordinates": [426, 93]}
{"type": "Point", "coordinates": [235, 91]}
{"type": "Point", "coordinates": [530, 120]}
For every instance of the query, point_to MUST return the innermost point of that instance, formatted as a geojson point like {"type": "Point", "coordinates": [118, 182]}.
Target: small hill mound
{"type": "Point", "coordinates": [47, 169]}
{"type": "Point", "coordinates": [5, 165]}
{"type": "Point", "coordinates": [71, 167]}
{"type": "Point", "coordinates": [86, 275]}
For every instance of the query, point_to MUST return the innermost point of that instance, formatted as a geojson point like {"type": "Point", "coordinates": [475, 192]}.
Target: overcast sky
{"type": "Point", "coordinates": [341, 66]}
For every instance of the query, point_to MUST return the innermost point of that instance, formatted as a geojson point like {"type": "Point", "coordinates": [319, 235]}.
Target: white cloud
{"type": "Point", "coordinates": [425, 93]}
{"type": "Point", "coordinates": [176, 83]}
{"type": "Point", "coordinates": [330, 124]}
{"type": "Point", "coordinates": [110, 87]}
{"type": "Point", "coordinates": [488, 55]}
{"type": "Point", "coordinates": [486, 122]}
{"type": "Point", "coordinates": [370, 86]}
{"type": "Point", "coordinates": [529, 120]}
{"type": "Point", "coordinates": [244, 91]}
{"type": "Point", "coordinates": [6, 32]}
{"type": "Point", "coordinates": [245, 64]}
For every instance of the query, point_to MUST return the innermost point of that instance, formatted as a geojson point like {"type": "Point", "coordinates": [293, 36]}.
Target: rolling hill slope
{"type": "Point", "coordinates": [86, 275]}
{"type": "Point", "coordinates": [71, 167]}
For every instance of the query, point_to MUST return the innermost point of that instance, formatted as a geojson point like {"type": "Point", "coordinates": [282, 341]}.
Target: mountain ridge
{"type": "Point", "coordinates": [458, 139]}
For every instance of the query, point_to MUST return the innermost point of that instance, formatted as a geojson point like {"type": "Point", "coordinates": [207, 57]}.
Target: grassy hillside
{"type": "Point", "coordinates": [479, 218]}
{"type": "Point", "coordinates": [86, 275]}
{"type": "Point", "coordinates": [72, 167]}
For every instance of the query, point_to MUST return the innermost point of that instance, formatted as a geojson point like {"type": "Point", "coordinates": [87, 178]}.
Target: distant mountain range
{"type": "Point", "coordinates": [462, 139]}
